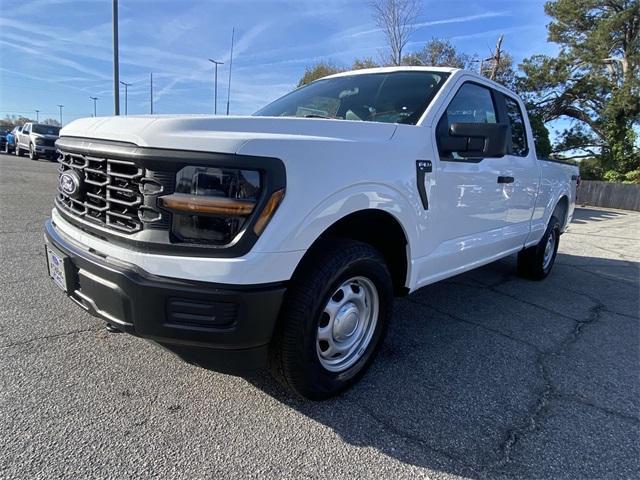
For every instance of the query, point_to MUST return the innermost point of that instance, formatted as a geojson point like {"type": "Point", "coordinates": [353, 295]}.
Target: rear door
{"type": "Point", "coordinates": [522, 165]}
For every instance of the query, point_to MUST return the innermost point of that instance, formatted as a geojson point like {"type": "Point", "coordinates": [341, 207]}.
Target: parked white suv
{"type": "Point", "coordinates": [282, 238]}
{"type": "Point", "coordinates": [38, 139]}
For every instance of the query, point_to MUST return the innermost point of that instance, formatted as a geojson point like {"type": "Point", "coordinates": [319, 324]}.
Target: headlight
{"type": "Point", "coordinates": [39, 140]}
{"type": "Point", "coordinates": [213, 205]}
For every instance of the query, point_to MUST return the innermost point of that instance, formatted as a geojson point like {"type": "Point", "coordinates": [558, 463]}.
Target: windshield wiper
{"type": "Point", "coordinates": [315, 115]}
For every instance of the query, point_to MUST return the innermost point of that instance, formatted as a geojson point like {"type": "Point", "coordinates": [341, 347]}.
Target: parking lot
{"type": "Point", "coordinates": [485, 375]}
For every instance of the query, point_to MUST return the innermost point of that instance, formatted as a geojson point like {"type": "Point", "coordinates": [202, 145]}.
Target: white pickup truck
{"type": "Point", "coordinates": [280, 239]}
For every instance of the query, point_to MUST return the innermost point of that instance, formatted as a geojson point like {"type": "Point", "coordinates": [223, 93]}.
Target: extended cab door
{"type": "Point", "coordinates": [468, 205]}
{"type": "Point", "coordinates": [522, 165]}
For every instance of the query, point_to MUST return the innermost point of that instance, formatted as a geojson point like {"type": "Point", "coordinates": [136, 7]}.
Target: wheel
{"type": "Point", "coordinates": [537, 261]}
{"type": "Point", "coordinates": [32, 152]}
{"type": "Point", "coordinates": [333, 319]}
{"type": "Point", "coordinates": [18, 151]}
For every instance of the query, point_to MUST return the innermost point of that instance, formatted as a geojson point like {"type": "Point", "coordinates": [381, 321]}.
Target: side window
{"type": "Point", "coordinates": [472, 104]}
{"type": "Point", "coordinates": [519, 145]}
{"type": "Point", "coordinates": [26, 128]}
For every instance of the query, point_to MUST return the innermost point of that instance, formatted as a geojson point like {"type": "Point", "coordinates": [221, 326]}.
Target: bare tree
{"type": "Point", "coordinates": [397, 20]}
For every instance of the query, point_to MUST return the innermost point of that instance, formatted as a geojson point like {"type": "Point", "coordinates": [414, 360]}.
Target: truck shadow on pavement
{"type": "Point", "coordinates": [488, 375]}
{"type": "Point", "coordinates": [584, 215]}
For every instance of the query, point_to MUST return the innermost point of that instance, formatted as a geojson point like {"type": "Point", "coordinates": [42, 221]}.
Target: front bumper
{"type": "Point", "coordinates": [44, 150]}
{"type": "Point", "coordinates": [223, 327]}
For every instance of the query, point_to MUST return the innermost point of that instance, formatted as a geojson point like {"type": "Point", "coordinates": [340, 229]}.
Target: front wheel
{"type": "Point", "coordinates": [32, 152]}
{"type": "Point", "coordinates": [537, 261]}
{"type": "Point", "coordinates": [333, 320]}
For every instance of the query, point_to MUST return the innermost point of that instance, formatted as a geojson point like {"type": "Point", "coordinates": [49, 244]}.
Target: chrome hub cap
{"type": "Point", "coordinates": [347, 324]}
{"type": "Point", "coordinates": [548, 250]}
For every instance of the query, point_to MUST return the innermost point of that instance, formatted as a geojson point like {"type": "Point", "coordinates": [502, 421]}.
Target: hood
{"type": "Point", "coordinates": [45, 135]}
{"type": "Point", "coordinates": [221, 134]}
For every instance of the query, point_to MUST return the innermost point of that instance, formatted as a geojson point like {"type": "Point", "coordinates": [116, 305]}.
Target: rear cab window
{"type": "Point", "coordinates": [519, 146]}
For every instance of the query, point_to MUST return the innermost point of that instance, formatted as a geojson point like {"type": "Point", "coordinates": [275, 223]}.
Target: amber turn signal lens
{"type": "Point", "coordinates": [195, 204]}
{"type": "Point", "coordinates": [268, 211]}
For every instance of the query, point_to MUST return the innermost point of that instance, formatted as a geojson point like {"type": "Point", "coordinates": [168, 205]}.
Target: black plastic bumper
{"type": "Point", "coordinates": [223, 327]}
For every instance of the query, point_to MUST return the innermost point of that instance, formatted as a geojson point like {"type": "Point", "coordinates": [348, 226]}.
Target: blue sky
{"type": "Point", "coordinates": [59, 51]}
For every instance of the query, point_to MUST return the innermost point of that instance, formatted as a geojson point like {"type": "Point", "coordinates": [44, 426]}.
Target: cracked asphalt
{"type": "Point", "coordinates": [482, 376]}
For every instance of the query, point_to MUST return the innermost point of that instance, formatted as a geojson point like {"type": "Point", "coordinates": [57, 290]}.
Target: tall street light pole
{"type": "Point", "coordinates": [37, 115]}
{"type": "Point", "coordinates": [126, 97]}
{"type": "Point", "coordinates": [116, 68]}
{"type": "Point", "coordinates": [233, 32]}
{"type": "Point", "coordinates": [151, 93]}
{"type": "Point", "coordinates": [215, 88]}
{"type": "Point", "coordinates": [94, 105]}
{"type": "Point", "coordinates": [60, 107]}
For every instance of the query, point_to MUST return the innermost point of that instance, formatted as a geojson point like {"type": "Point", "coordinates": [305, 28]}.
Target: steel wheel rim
{"type": "Point", "coordinates": [548, 250]}
{"type": "Point", "coordinates": [347, 324]}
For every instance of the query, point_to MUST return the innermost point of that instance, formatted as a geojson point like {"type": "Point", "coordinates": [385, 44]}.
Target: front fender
{"type": "Point", "coordinates": [300, 236]}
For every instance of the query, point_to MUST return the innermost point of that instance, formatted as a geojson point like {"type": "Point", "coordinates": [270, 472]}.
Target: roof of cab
{"type": "Point", "coordinates": [393, 69]}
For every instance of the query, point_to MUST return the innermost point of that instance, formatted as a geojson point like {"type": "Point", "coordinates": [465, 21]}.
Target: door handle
{"type": "Point", "coordinates": [502, 179]}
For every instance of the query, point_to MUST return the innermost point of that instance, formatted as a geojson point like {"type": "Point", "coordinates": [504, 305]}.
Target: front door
{"type": "Point", "coordinates": [468, 206]}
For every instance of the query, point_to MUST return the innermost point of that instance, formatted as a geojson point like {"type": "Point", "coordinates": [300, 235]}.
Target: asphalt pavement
{"type": "Point", "coordinates": [484, 375]}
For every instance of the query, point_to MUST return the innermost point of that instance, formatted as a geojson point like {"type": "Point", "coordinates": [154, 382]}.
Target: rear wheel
{"type": "Point", "coordinates": [18, 151]}
{"type": "Point", "coordinates": [537, 261]}
{"type": "Point", "coordinates": [333, 320]}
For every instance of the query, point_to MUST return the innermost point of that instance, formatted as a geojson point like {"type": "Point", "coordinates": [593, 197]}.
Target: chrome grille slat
{"type": "Point", "coordinates": [110, 195]}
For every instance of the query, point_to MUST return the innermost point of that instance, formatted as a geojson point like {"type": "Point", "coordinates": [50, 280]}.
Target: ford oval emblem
{"type": "Point", "coordinates": [69, 183]}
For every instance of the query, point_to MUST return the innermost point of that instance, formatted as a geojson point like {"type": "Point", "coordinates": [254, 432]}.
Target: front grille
{"type": "Point", "coordinates": [48, 142]}
{"type": "Point", "coordinates": [109, 193]}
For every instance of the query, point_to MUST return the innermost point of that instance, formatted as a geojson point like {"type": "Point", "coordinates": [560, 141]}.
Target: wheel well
{"type": "Point", "coordinates": [380, 230]}
{"type": "Point", "coordinates": [561, 210]}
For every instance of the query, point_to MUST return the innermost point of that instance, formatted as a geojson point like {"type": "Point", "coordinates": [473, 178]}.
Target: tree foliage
{"type": "Point", "coordinates": [360, 63]}
{"type": "Point", "coordinates": [593, 81]}
{"type": "Point", "coordinates": [439, 53]}
{"type": "Point", "coordinates": [13, 120]}
{"type": "Point", "coordinates": [318, 70]}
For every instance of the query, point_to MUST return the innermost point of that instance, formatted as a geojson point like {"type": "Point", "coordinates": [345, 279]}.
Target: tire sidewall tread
{"type": "Point", "coordinates": [294, 359]}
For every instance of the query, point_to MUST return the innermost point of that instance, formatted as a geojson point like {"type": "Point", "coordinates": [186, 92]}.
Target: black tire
{"type": "Point", "coordinates": [532, 262]}
{"type": "Point", "coordinates": [32, 152]}
{"type": "Point", "coordinates": [18, 151]}
{"type": "Point", "coordinates": [294, 352]}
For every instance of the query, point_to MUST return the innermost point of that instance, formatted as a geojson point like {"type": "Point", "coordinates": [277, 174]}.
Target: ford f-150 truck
{"type": "Point", "coordinates": [280, 239]}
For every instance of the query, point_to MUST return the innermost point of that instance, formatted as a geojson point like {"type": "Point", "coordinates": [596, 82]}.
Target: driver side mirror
{"type": "Point", "coordinates": [475, 140]}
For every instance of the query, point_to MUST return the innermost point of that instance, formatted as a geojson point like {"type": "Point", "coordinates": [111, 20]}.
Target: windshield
{"type": "Point", "coordinates": [45, 129]}
{"type": "Point", "coordinates": [395, 97]}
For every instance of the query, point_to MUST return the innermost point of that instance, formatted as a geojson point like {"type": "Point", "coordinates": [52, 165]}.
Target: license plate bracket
{"type": "Point", "coordinates": [58, 265]}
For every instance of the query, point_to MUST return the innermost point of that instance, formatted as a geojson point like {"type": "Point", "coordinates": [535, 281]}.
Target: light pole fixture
{"type": "Point", "coordinates": [233, 34]}
{"type": "Point", "coordinates": [151, 92]}
{"type": "Point", "coordinates": [60, 107]}
{"type": "Point", "coordinates": [37, 115]}
{"type": "Point", "coordinates": [94, 105]}
{"type": "Point", "coordinates": [126, 98]}
{"type": "Point", "coordinates": [116, 63]}
{"type": "Point", "coordinates": [215, 88]}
